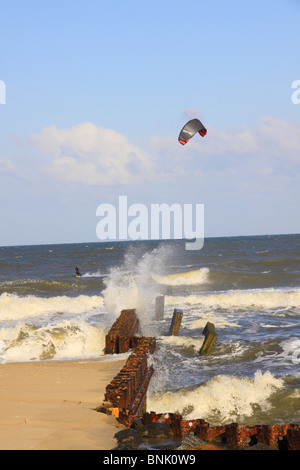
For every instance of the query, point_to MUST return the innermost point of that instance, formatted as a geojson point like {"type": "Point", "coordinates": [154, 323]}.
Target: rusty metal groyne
{"type": "Point", "coordinates": [125, 397]}
{"type": "Point", "coordinates": [122, 334]}
{"type": "Point", "coordinates": [278, 437]}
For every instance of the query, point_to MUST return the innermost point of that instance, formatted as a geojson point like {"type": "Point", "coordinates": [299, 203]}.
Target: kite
{"type": "Point", "coordinates": [190, 129]}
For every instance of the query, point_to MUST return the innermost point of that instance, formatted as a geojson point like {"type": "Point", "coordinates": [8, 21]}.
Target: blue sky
{"type": "Point", "coordinates": [97, 92]}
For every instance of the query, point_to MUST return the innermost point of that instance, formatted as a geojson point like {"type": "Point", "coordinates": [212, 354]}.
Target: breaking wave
{"type": "Point", "coordinates": [223, 399]}
{"type": "Point", "coordinates": [261, 298]}
{"type": "Point", "coordinates": [66, 339]}
{"type": "Point", "coordinates": [15, 308]}
{"type": "Point", "coordinates": [189, 278]}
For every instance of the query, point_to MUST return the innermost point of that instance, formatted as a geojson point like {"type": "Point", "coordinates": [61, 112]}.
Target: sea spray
{"type": "Point", "coordinates": [131, 285]}
{"type": "Point", "coordinates": [94, 274]}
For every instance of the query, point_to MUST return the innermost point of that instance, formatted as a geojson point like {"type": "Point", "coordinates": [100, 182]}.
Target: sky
{"type": "Point", "coordinates": [93, 95]}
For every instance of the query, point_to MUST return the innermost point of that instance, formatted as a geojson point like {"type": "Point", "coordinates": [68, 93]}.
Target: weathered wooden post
{"type": "Point", "coordinates": [159, 307]}
{"type": "Point", "coordinates": [176, 322]}
{"type": "Point", "coordinates": [210, 335]}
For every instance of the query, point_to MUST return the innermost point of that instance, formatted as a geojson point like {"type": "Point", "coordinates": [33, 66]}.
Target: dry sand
{"type": "Point", "coordinates": [50, 405]}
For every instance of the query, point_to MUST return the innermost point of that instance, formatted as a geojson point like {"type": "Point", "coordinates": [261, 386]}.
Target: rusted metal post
{"type": "Point", "coordinates": [119, 337]}
{"type": "Point", "coordinates": [159, 307]}
{"type": "Point", "coordinates": [176, 322]}
{"type": "Point", "coordinates": [210, 335]}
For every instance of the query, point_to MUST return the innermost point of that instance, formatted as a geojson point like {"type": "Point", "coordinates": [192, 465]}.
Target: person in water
{"type": "Point", "coordinates": [77, 271]}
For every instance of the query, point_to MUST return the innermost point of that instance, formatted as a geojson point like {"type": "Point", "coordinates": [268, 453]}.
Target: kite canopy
{"type": "Point", "coordinates": [190, 129]}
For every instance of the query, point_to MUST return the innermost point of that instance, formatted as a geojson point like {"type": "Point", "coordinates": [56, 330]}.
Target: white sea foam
{"type": "Point", "coordinates": [220, 321]}
{"type": "Point", "coordinates": [220, 400]}
{"type": "Point", "coordinates": [296, 394]}
{"type": "Point", "coordinates": [95, 274]}
{"type": "Point", "coordinates": [290, 353]}
{"type": "Point", "coordinates": [183, 342]}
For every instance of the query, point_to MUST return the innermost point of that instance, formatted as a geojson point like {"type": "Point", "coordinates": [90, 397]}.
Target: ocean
{"type": "Point", "coordinates": [248, 287]}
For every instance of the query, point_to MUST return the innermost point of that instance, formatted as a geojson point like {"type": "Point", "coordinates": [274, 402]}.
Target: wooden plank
{"type": "Point", "coordinates": [210, 335]}
{"type": "Point", "coordinates": [176, 322]}
{"type": "Point", "coordinates": [159, 307]}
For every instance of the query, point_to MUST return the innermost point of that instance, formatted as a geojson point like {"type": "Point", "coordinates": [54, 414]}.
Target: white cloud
{"type": "Point", "coordinates": [92, 155]}
{"type": "Point", "coordinates": [272, 142]}
{"type": "Point", "coordinates": [279, 138]}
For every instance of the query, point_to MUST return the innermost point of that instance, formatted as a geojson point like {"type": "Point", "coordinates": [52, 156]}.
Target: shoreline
{"type": "Point", "coordinates": [51, 405]}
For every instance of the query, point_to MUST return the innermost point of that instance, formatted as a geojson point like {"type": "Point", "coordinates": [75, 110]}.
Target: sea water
{"type": "Point", "coordinates": [249, 287]}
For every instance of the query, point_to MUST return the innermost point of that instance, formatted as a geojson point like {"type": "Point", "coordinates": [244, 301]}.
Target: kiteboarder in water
{"type": "Point", "coordinates": [77, 271]}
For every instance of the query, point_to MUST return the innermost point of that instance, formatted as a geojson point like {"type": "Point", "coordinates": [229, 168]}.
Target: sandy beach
{"type": "Point", "coordinates": [50, 405]}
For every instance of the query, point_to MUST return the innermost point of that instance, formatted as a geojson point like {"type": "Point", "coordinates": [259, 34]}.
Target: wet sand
{"type": "Point", "coordinates": [50, 405]}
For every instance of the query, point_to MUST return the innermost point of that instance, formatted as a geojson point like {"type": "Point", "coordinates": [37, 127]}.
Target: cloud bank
{"type": "Point", "coordinates": [92, 155]}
